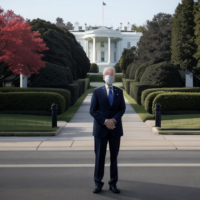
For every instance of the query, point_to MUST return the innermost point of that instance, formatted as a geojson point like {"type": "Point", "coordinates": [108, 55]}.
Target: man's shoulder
{"type": "Point", "coordinates": [117, 89]}
{"type": "Point", "coordinates": [98, 89]}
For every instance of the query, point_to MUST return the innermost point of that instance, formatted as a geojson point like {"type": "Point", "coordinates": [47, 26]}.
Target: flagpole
{"type": "Point", "coordinates": [102, 13]}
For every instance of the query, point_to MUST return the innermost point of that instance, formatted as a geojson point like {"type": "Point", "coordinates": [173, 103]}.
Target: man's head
{"type": "Point", "coordinates": [108, 71]}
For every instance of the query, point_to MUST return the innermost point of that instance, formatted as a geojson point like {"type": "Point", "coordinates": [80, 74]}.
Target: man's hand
{"type": "Point", "coordinates": [110, 124]}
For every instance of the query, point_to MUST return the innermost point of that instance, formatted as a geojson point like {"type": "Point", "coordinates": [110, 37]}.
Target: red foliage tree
{"type": "Point", "coordinates": [19, 47]}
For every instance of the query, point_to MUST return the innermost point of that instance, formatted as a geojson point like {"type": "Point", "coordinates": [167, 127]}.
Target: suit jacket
{"type": "Point", "coordinates": [101, 110]}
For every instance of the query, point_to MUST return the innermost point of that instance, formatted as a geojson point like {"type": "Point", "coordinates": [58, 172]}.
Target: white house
{"type": "Point", "coordinates": [104, 45]}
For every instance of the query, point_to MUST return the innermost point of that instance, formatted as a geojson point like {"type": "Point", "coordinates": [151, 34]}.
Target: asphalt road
{"type": "Point", "coordinates": [74, 183]}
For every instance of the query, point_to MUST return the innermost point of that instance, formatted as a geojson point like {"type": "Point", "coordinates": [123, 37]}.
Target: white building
{"type": "Point", "coordinates": [103, 45]}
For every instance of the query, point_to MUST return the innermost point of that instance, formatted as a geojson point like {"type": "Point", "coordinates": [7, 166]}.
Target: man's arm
{"type": "Point", "coordinates": [93, 109]}
{"type": "Point", "coordinates": [121, 111]}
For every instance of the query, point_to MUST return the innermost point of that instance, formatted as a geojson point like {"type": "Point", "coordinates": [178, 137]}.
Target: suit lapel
{"type": "Point", "coordinates": [105, 94]}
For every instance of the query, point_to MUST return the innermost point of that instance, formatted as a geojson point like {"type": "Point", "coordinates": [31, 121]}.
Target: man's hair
{"type": "Point", "coordinates": [106, 68]}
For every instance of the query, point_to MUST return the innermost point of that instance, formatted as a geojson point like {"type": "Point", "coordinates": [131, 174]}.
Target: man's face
{"type": "Point", "coordinates": [110, 72]}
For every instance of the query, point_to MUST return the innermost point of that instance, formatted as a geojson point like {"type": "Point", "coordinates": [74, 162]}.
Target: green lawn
{"type": "Point", "coordinates": [16, 122]}
{"type": "Point", "coordinates": [186, 121]}
{"type": "Point", "coordinates": [67, 115]}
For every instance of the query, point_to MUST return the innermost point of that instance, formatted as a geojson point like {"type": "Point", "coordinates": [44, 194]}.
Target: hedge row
{"type": "Point", "coordinates": [99, 78]}
{"type": "Point", "coordinates": [63, 92]}
{"type": "Point", "coordinates": [126, 83]}
{"type": "Point", "coordinates": [136, 90]}
{"type": "Point", "coordinates": [177, 101]}
{"type": "Point", "coordinates": [77, 88]}
{"type": "Point", "coordinates": [184, 89]}
{"type": "Point", "coordinates": [36, 101]}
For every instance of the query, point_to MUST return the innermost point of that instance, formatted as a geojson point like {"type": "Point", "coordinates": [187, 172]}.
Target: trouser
{"type": "Point", "coordinates": [100, 154]}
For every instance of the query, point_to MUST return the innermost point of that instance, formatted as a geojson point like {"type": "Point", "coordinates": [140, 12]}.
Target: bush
{"type": "Point", "coordinates": [128, 70]}
{"type": "Point", "coordinates": [118, 77]}
{"type": "Point", "coordinates": [68, 74]}
{"type": "Point", "coordinates": [145, 93]}
{"type": "Point", "coordinates": [99, 78]}
{"type": "Point", "coordinates": [36, 101]}
{"type": "Point", "coordinates": [94, 68]}
{"type": "Point", "coordinates": [149, 101]}
{"type": "Point", "coordinates": [126, 83]}
{"type": "Point", "coordinates": [178, 101]}
{"type": "Point", "coordinates": [51, 76]}
{"type": "Point", "coordinates": [117, 68]}
{"type": "Point", "coordinates": [133, 69]}
{"type": "Point", "coordinates": [136, 90]}
{"type": "Point", "coordinates": [81, 87]}
{"type": "Point", "coordinates": [74, 89]}
{"type": "Point", "coordinates": [63, 92]}
{"type": "Point", "coordinates": [86, 83]}
{"type": "Point", "coordinates": [162, 74]}
{"type": "Point", "coordinates": [139, 72]}
{"type": "Point", "coordinates": [125, 62]}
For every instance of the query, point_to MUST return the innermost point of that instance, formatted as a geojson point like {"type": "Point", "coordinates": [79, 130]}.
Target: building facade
{"type": "Point", "coordinates": [104, 45]}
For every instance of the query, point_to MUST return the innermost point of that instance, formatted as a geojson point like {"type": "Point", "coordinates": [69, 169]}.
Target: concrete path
{"type": "Point", "coordinates": [77, 135]}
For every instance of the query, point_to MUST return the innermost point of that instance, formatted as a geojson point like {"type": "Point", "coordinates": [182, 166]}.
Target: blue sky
{"type": "Point", "coordinates": [90, 11]}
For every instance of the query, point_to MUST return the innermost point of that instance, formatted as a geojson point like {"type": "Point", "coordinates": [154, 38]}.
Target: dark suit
{"type": "Point", "coordinates": [101, 110]}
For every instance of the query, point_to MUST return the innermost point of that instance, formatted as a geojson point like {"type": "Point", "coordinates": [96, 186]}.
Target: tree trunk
{"type": "Point", "coordinates": [188, 79]}
{"type": "Point", "coordinates": [23, 81]}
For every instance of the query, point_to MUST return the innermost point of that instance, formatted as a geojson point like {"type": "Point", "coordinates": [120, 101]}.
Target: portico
{"type": "Point", "coordinates": [104, 46]}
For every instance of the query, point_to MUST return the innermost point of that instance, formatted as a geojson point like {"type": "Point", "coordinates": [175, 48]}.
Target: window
{"type": "Point", "coordinates": [125, 28]}
{"type": "Point", "coordinates": [115, 56]}
{"type": "Point", "coordinates": [128, 45]}
{"type": "Point", "coordinates": [102, 44]}
{"type": "Point", "coordinates": [115, 44]}
{"type": "Point", "coordinates": [102, 56]}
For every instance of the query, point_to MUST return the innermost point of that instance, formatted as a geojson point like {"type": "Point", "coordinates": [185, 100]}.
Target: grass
{"type": "Point", "coordinates": [178, 133]}
{"type": "Point", "coordinates": [16, 122]}
{"type": "Point", "coordinates": [143, 114]}
{"type": "Point", "coordinates": [67, 115]}
{"type": "Point", "coordinates": [99, 78]}
{"type": "Point", "coordinates": [184, 122]}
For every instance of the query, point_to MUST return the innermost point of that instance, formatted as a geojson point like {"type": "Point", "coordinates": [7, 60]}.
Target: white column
{"type": "Point", "coordinates": [188, 79]}
{"type": "Point", "coordinates": [23, 81]}
{"type": "Point", "coordinates": [86, 47]}
{"type": "Point", "coordinates": [94, 49]}
{"type": "Point", "coordinates": [118, 50]}
{"type": "Point", "coordinates": [109, 51]}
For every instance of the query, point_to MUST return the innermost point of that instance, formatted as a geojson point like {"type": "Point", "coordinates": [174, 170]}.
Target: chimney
{"type": "Point", "coordinates": [76, 26]}
{"type": "Point", "coordinates": [85, 27]}
{"type": "Point", "coordinates": [120, 27]}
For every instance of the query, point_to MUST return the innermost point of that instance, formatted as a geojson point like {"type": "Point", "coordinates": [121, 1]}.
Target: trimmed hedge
{"type": "Point", "coordinates": [63, 92]}
{"type": "Point", "coordinates": [178, 101]}
{"type": "Point", "coordinates": [126, 83]}
{"type": "Point", "coordinates": [99, 78]}
{"type": "Point", "coordinates": [184, 89]}
{"type": "Point", "coordinates": [68, 74]}
{"type": "Point", "coordinates": [86, 82]}
{"type": "Point", "coordinates": [81, 86]}
{"type": "Point", "coordinates": [149, 101]}
{"type": "Point", "coordinates": [136, 90]}
{"type": "Point", "coordinates": [36, 101]}
{"type": "Point", "coordinates": [74, 89]}
{"type": "Point", "coordinates": [51, 76]}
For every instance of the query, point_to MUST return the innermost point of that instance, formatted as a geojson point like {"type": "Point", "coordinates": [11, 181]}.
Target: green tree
{"type": "Point", "coordinates": [125, 61]}
{"type": "Point", "coordinates": [183, 45]}
{"type": "Point", "coordinates": [138, 28]}
{"type": "Point", "coordinates": [94, 68]}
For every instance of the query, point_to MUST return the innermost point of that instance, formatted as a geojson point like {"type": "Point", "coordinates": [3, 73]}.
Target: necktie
{"type": "Point", "coordinates": [110, 95]}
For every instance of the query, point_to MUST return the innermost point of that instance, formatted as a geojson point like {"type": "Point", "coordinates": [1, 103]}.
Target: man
{"type": "Point", "coordinates": [107, 107]}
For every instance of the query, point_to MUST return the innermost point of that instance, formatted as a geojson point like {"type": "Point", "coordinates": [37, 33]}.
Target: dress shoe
{"type": "Point", "coordinates": [114, 189]}
{"type": "Point", "coordinates": [97, 189]}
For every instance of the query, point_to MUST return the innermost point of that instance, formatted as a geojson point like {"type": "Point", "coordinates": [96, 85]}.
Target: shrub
{"type": "Point", "coordinates": [128, 70]}
{"type": "Point", "coordinates": [178, 101]}
{"type": "Point", "coordinates": [145, 93]}
{"type": "Point", "coordinates": [126, 84]}
{"type": "Point", "coordinates": [86, 83]}
{"type": "Point", "coordinates": [125, 61]}
{"type": "Point", "coordinates": [149, 101]}
{"type": "Point", "coordinates": [74, 89]}
{"type": "Point", "coordinates": [117, 68]}
{"type": "Point", "coordinates": [94, 68]}
{"type": "Point", "coordinates": [63, 92]}
{"type": "Point", "coordinates": [81, 87]}
{"type": "Point", "coordinates": [68, 74]}
{"type": "Point", "coordinates": [118, 77]}
{"type": "Point", "coordinates": [51, 76]}
{"type": "Point", "coordinates": [137, 88]}
{"type": "Point", "coordinates": [133, 69]}
{"type": "Point", "coordinates": [139, 72]}
{"type": "Point", "coordinates": [37, 101]}
{"type": "Point", "coordinates": [162, 74]}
